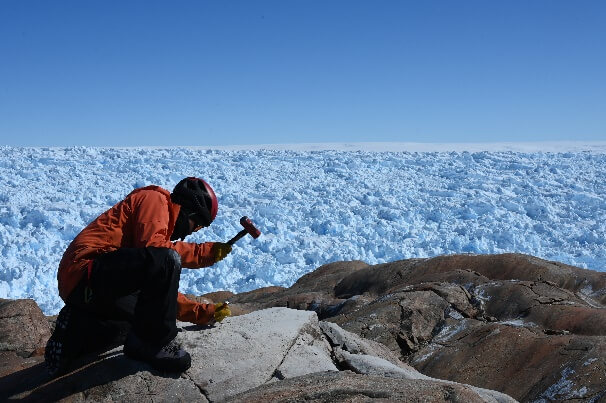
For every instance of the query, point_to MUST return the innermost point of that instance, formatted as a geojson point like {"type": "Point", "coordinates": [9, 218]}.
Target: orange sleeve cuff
{"type": "Point", "coordinates": [194, 312]}
{"type": "Point", "coordinates": [195, 255]}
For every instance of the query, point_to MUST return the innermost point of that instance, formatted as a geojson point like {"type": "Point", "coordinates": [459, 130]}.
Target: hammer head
{"type": "Point", "coordinates": [250, 227]}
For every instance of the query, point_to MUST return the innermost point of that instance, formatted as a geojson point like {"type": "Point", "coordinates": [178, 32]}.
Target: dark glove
{"type": "Point", "coordinates": [220, 250]}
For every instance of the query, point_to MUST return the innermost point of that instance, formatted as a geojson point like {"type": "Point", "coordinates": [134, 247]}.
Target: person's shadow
{"type": "Point", "coordinates": [33, 384]}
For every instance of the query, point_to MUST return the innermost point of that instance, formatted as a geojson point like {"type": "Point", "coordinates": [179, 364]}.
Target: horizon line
{"type": "Point", "coordinates": [514, 146]}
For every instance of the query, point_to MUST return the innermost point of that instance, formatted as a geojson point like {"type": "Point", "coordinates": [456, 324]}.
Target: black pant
{"type": "Point", "coordinates": [136, 285]}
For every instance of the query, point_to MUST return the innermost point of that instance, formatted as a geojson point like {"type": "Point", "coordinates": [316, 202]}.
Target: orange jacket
{"type": "Point", "coordinates": [146, 217]}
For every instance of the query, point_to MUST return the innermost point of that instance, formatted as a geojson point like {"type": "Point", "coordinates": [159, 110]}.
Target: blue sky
{"type": "Point", "coordinates": [171, 73]}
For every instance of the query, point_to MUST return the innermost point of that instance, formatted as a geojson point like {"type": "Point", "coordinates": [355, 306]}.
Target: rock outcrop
{"type": "Point", "coordinates": [452, 328]}
{"type": "Point", "coordinates": [530, 328]}
{"type": "Point", "coordinates": [23, 333]}
{"type": "Point", "coordinates": [248, 358]}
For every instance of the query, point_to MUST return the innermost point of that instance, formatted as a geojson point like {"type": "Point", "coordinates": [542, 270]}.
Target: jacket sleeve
{"type": "Point", "coordinates": [194, 255]}
{"type": "Point", "coordinates": [152, 222]}
{"type": "Point", "coordinates": [194, 312]}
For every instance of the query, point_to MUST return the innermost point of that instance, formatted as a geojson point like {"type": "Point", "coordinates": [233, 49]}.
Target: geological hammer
{"type": "Point", "coordinates": [249, 228]}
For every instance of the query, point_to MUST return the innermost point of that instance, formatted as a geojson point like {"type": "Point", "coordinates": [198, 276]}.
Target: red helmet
{"type": "Point", "coordinates": [198, 198]}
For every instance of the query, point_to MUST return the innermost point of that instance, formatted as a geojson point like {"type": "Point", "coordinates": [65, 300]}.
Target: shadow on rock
{"type": "Point", "coordinates": [94, 374]}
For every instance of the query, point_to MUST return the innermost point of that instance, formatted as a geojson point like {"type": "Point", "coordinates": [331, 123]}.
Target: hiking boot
{"type": "Point", "coordinates": [169, 358]}
{"type": "Point", "coordinates": [65, 343]}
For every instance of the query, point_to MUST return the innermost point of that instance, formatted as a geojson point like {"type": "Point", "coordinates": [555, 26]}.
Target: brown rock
{"type": "Point", "coordinates": [484, 320]}
{"type": "Point", "coordinates": [457, 296]}
{"type": "Point", "coordinates": [325, 278]}
{"type": "Point", "coordinates": [257, 295]}
{"type": "Point", "coordinates": [518, 361]}
{"type": "Point", "coordinates": [529, 268]}
{"type": "Point", "coordinates": [403, 320]}
{"type": "Point", "coordinates": [313, 291]}
{"type": "Point", "coordinates": [544, 304]}
{"type": "Point", "coordinates": [24, 329]}
{"type": "Point", "coordinates": [541, 309]}
{"type": "Point", "coordinates": [346, 386]}
{"type": "Point", "coordinates": [12, 363]}
{"type": "Point", "coordinates": [378, 321]}
{"type": "Point", "coordinates": [218, 296]}
{"type": "Point", "coordinates": [376, 280]}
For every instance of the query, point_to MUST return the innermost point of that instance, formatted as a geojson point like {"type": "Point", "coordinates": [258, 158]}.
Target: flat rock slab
{"type": "Point", "coordinates": [239, 354]}
{"type": "Point", "coordinates": [246, 351]}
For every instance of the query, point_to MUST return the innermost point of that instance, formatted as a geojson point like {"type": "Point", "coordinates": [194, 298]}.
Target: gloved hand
{"type": "Point", "coordinates": [222, 311]}
{"type": "Point", "coordinates": [220, 250]}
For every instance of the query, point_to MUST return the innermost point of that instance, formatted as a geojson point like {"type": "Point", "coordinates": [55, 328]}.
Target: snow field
{"type": "Point", "coordinates": [313, 207]}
